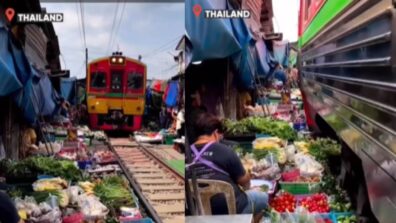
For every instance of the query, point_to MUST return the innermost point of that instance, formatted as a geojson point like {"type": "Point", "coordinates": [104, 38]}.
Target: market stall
{"type": "Point", "coordinates": [296, 170]}
{"type": "Point", "coordinates": [78, 179]}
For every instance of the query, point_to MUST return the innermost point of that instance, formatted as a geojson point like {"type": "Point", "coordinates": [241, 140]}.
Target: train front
{"type": "Point", "coordinates": [116, 93]}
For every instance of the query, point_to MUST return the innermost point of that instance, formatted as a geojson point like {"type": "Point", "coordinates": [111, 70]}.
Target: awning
{"type": "Point", "coordinates": [68, 89]}
{"type": "Point", "coordinates": [9, 80]}
{"type": "Point", "coordinates": [214, 38]}
{"type": "Point", "coordinates": [36, 98]}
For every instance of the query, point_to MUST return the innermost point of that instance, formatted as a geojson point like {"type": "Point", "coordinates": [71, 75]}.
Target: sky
{"type": "Point", "coordinates": [148, 29]}
{"type": "Point", "coordinates": [286, 18]}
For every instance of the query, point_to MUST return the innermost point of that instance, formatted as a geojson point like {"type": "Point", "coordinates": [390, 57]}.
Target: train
{"type": "Point", "coordinates": [116, 91]}
{"type": "Point", "coordinates": [347, 63]}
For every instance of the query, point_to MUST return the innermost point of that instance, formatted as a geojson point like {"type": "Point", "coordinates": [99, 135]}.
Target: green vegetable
{"type": "Point", "coordinates": [322, 148]}
{"type": "Point", "coordinates": [41, 196]}
{"type": "Point", "coordinates": [114, 192]}
{"type": "Point", "coordinates": [33, 166]}
{"type": "Point", "coordinates": [261, 125]}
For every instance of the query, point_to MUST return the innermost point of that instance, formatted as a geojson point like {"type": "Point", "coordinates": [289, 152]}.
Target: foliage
{"type": "Point", "coordinates": [322, 148]}
{"type": "Point", "coordinates": [34, 166]}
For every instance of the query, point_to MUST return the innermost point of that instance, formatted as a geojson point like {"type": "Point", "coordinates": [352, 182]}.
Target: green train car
{"type": "Point", "coordinates": [347, 61]}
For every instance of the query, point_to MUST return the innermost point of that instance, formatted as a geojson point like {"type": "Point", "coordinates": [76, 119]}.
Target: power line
{"type": "Point", "coordinates": [162, 47]}
{"type": "Point", "coordinates": [117, 29]}
{"type": "Point", "coordinates": [79, 25]}
{"type": "Point", "coordinates": [112, 27]}
{"type": "Point", "coordinates": [83, 23]}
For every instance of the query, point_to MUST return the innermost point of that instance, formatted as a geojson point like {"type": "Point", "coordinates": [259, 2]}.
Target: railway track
{"type": "Point", "coordinates": [160, 187]}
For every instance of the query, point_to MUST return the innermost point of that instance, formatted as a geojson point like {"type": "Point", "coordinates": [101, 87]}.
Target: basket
{"type": "Point", "coordinates": [319, 217]}
{"type": "Point", "coordinates": [300, 187]}
{"type": "Point", "coordinates": [143, 220]}
{"type": "Point", "coordinates": [336, 215]}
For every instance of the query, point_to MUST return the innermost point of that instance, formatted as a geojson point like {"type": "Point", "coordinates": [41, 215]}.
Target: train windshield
{"type": "Point", "coordinates": [98, 80]}
{"type": "Point", "coordinates": [116, 81]}
{"type": "Point", "coordinates": [135, 81]}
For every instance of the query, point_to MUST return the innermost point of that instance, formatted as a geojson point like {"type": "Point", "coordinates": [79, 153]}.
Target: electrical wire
{"type": "Point", "coordinates": [83, 23]}
{"type": "Point", "coordinates": [162, 48]}
{"type": "Point", "coordinates": [117, 29]}
{"type": "Point", "coordinates": [112, 27]}
{"type": "Point", "coordinates": [80, 26]}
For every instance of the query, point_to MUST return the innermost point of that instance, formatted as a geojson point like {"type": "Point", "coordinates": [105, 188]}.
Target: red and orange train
{"type": "Point", "coordinates": [116, 87]}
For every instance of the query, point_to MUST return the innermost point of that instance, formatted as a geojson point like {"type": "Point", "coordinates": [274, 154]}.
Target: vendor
{"type": "Point", "coordinates": [196, 108]}
{"type": "Point", "coordinates": [222, 163]}
{"type": "Point", "coordinates": [180, 129]}
{"type": "Point", "coordinates": [29, 146]}
{"type": "Point", "coordinates": [279, 74]}
{"type": "Point", "coordinates": [245, 105]}
{"type": "Point", "coordinates": [8, 212]}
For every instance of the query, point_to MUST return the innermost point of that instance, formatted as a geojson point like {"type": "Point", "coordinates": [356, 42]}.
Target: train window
{"type": "Point", "coordinates": [98, 80]}
{"type": "Point", "coordinates": [135, 81]}
{"type": "Point", "coordinates": [116, 81]}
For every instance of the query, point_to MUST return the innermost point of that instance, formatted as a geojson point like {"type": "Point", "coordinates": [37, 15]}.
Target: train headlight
{"type": "Point", "coordinates": [120, 60]}
{"type": "Point", "coordinates": [113, 60]}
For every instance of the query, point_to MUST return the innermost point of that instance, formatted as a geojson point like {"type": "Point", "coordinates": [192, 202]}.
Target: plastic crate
{"type": "Point", "coordinates": [143, 220]}
{"type": "Point", "coordinates": [169, 139]}
{"type": "Point", "coordinates": [336, 215]}
{"type": "Point", "coordinates": [300, 187]}
{"type": "Point", "coordinates": [262, 136]}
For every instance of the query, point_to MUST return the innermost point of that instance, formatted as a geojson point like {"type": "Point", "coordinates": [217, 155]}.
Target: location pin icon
{"type": "Point", "coordinates": [10, 12]}
{"type": "Point", "coordinates": [197, 9]}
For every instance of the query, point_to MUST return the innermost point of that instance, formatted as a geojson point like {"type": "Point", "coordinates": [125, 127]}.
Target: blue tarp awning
{"type": "Point", "coordinates": [68, 89]}
{"type": "Point", "coordinates": [213, 38]}
{"type": "Point", "coordinates": [171, 94]}
{"type": "Point", "coordinates": [30, 89]}
{"type": "Point", "coordinates": [263, 68]}
{"type": "Point", "coordinates": [9, 79]}
{"type": "Point", "coordinates": [36, 97]}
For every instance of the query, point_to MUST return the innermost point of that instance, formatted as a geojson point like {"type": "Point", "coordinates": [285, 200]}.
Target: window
{"type": "Point", "coordinates": [98, 80]}
{"type": "Point", "coordinates": [135, 81]}
{"type": "Point", "coordinates": [116, 81]}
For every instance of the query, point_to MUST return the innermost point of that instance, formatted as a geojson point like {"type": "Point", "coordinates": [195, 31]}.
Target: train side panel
{"type": "Point", "coordinates": [348, 72]}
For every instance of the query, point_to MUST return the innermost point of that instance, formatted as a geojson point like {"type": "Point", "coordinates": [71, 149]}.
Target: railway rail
{"type": "Point", "coordinates": [159, 187]}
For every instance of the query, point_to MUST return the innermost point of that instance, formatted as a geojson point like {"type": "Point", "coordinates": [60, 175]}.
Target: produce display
{"type": "Point", "coordinates": [74, 185]}
{"type": "Point", "coordinates": [260, 125]}
{"type": "Point", "coordinates": [284, 202]}
{"type": "Point", "coordinates": [315, 203]}
{"type": "Point", "coordinates": [308, 192]}
{"type": "Point", "coordinates": [33, 166]}
{"type": "Point", "coordinates": [104, 156]}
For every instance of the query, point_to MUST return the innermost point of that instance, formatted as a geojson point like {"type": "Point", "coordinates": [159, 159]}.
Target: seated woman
{"type": "Point", "coordinates": [219, 162]}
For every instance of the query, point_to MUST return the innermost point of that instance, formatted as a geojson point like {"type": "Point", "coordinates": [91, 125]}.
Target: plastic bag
{"type": "Point", "coordinates": [91, 207]}
{"type": "Point", "coordinates": [53, 216]}
{"type": "Point", "coordinates": [290, 152]}
{"type": "Point", "coordinates": [74, 193]}
{"type": "Point", "coordinates": [267, 168]}
{"type": "Point", "coordinates": [308, 166]}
